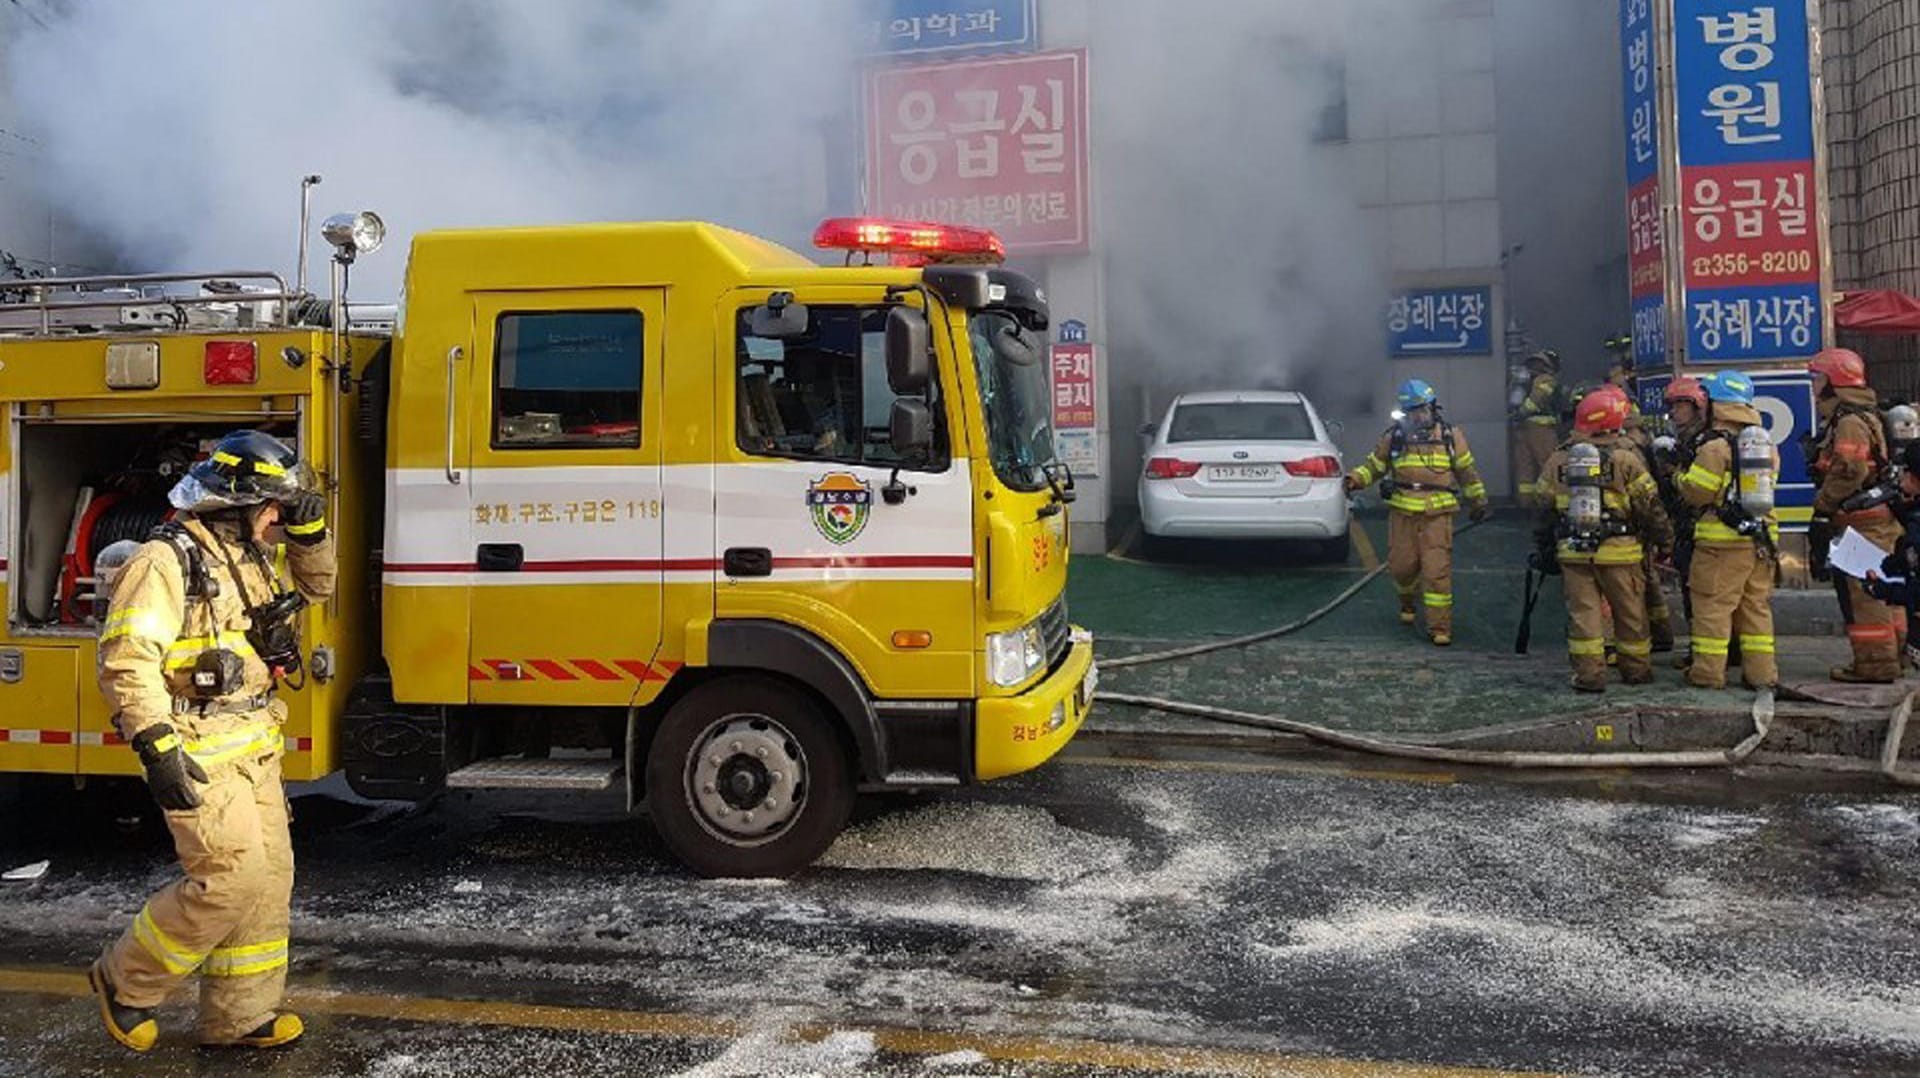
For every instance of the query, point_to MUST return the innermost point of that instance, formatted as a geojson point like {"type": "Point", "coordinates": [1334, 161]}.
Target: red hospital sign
{"type": "Point", "coordinates": [1000, 143]}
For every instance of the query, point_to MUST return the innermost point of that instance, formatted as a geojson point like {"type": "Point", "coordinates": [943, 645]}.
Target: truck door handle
{"type": "Point", "coordinates": [747, 561]}
{"type": "Point", "coordinates": [500, 557]}
{"type": "Point", "coordinates": [454, 355]}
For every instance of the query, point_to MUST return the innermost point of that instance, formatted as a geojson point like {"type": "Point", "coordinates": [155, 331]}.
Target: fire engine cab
{"type": "Point", "coordinates": [657, 504]}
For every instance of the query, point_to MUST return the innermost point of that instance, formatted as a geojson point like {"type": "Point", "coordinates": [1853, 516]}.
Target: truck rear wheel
{"type": "Point", "coordinates": [746, 778]}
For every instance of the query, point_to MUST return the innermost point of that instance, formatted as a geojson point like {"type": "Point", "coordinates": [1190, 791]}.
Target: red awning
{"type": "Point", "coordinates": [1878, 311]}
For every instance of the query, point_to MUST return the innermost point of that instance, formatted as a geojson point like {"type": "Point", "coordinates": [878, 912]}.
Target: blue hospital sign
{"type": "Point", "coordinates": [1750, 233]}
{"type": "Point", "coordinates": [918, 27]}
{"type": "Point", "coordinates": [1452, 321]}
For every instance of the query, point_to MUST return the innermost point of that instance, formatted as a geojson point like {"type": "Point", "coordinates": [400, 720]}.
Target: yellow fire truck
{"type": "Point", "coordinates": [657, 503]}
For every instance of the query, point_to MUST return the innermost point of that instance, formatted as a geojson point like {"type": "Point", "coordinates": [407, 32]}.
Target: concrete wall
{"type": "Point", "coordinates": [1424, 149]}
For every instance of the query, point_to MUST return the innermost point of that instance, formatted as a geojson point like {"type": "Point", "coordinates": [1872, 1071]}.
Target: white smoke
{"type": "Point", "coordinates": [1237, 254]}
{"type": "Point", "coordinates": [179, 130]}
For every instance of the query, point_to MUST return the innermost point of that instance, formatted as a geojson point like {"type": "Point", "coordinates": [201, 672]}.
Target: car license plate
{"type": "Point", "coordinates": [1240, 473]}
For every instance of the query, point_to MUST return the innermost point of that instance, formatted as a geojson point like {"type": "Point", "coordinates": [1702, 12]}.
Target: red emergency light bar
{"type": "Point", "coordinates": [924, 239]}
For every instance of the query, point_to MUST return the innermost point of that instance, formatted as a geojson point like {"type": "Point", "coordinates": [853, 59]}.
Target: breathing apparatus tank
{"type": "Point", "coordinates": [1754, 450]}
{"type": "Point", "coordinates": [1519, 384]}
{"type": "Point", "coordinates": [1586, 509]}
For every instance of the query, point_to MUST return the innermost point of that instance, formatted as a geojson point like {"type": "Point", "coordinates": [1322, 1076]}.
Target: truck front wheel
{"type": "Point", "coordinates": [746, 778]}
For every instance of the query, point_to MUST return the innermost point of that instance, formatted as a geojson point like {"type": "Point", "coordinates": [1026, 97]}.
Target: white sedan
{"type": "Point", "coordinates": [1252, 465]}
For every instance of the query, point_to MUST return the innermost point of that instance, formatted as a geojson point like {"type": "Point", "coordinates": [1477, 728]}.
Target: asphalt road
{"type": "Point", "coordinates": [1265, 915]}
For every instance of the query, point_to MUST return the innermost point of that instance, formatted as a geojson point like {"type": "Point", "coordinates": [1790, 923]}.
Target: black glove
{"type": "Point", "coordinates": [1478, 513]}
{"type": "Point", "coordinates": [1544, 561]}
{"type": "Point", "coordinates": [171, 773]}
{"type": "Point", "coordinates": [1819, 538]}
{"type": "Point", "coordinates": [305, 517]}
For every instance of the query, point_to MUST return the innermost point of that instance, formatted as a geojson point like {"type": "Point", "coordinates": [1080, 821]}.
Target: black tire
{"type": "Point", "coordinates": [1337, 551]}
{"type": "Point", "coordinates": [800, 762]}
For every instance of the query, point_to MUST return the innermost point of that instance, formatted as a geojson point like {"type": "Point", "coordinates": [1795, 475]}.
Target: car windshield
{"type": "Point", "coordinates": [1241, 421]}
{"type": "Point", "coordinates": [1014, 394]}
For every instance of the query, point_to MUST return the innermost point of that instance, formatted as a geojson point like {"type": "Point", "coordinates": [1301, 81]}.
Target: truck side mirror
{"type": "Point", "coordinates": [910, 426]}
{"type": "Point", "coordinates": [779, 317]}
{"type": "Point", "coordinates": [909, 367]}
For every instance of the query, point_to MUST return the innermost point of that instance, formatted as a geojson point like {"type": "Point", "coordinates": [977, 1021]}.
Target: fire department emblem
{"type": "Point", "coordinates": [841, 504]}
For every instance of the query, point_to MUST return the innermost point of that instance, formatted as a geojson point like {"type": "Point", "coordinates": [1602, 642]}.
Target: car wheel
{"type": "Point", "coordinates": [747, 778]}
{"type": "Point", "coordinates": [1337, 551]}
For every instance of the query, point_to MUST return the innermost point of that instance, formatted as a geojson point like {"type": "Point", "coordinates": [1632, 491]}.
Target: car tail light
{"type": "Point", "coordinates": [1171, 468]}
{"type": "Point", "coordinates": [231, 363]}
{"type": "Point", "coordinates": [1315, 468]}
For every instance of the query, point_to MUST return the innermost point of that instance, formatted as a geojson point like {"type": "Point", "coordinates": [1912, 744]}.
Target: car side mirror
{"type": "Point", "coordinates": [910, 428]}
{"type": "Point", "coordinates": [1336, 426]}
{"type": "Point", "coordinates": [779, 317]}
{"type": "Point", "coordinates": [1149, 429]}
{"type": "Point", "coordinates": [909, 367]}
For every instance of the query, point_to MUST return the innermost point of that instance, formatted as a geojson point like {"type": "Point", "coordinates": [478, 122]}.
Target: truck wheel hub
{"type": "Point", "coordinates": [746, 779]}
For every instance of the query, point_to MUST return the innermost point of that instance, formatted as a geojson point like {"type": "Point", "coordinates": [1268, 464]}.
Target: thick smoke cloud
{"type": "Point", "coordinates": [180, 129]}
{"type": "Point", "coordinates": [1237, 253]}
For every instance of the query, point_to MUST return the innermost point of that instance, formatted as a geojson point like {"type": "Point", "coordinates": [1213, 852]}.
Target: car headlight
{"type": "Point", "coordinates": [1012, 657]}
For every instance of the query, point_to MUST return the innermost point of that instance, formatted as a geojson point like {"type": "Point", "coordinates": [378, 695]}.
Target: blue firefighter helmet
{"type": "Point", "coordinates": [1415, 393]}
{"type": "Point", "coordinates": [1729, 387]}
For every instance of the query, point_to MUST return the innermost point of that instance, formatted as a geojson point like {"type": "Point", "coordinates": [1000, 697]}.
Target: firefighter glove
{"type": "Point", "coordinates": [305, 517]}
{"type": "Point", "coordinates": [1350, 483]}
{"type": "Point", "coordinates": [171, 773]}
{"type": "Point", "coordinates": [1478, 513]}
{"type": "Point", "coordinates": [1544, 561]}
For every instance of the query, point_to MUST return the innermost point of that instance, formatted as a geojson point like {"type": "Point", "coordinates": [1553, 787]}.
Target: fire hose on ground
{"type": "Point", "coordinates": [1762, 712]}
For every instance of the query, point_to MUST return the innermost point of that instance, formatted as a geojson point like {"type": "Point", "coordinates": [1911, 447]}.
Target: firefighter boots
{"type": "Point", "coordinates": [131, 1026]}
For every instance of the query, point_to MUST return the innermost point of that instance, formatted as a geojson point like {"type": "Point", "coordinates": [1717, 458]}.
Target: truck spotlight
{"type": "Point", "coordinates": [353, 234]}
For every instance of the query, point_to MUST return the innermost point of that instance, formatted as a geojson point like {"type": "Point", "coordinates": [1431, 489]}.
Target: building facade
{"type": "Point", "coordinates": [1871, 70]}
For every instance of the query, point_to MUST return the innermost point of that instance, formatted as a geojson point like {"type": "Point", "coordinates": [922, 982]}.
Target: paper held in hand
{"type": "Point", "coordinates": [1855, 555]}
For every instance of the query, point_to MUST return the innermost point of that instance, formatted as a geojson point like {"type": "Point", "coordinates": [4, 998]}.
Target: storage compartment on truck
{"type": "Point", "coordinates": [84, 485]}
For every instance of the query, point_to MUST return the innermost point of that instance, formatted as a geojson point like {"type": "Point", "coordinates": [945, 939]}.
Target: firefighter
{"type": "Point", "coordinates": [1537, 423]}
{"type": "Point", "coordinates": [1686, 402]}
{"type": "Point", "coordinates": [1607, 520]}
{"type": "Point", "coordinates": [1729, 490]}
{"type": "Point", "coordinates": [196, 616]}
{"type": "Point", "coordinates": [1634, 431]}
{"type": "Point", "coordinates": [1850, 458]}
{"type": "Point", "coordinates": [1424, 468]}
{"type": "Point", "coordinates": [1898, 582]}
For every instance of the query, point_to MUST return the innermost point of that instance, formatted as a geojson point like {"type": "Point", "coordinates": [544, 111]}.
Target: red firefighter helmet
{"type": "Point", "coordinates": [1842, 367]}
{"type": "Point", "coordinates": [1684, 388]}
{"type": "Point", "coordinates": [1603, 411]}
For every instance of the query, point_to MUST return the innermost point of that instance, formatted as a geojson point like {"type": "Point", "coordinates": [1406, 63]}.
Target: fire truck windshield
{"type": "Point", "coordinates": [1011, 365]}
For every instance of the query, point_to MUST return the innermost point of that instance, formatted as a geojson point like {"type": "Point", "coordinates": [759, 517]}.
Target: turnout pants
{"type": "Point", "coordinates": [1533, 444]}
{"type": "Point", "coordinates": [1420, 557]}
{"type": "Point", "coordinates": [1873, 628]}
{"type": "Point", "coordinates": [1732, 586]}
{"type": "Point", "coordinates": [1659, 615]}
{"type": "Point", "coordinates": [1593, 590]}
{"type": "Point", "coordinates": [227, 918]}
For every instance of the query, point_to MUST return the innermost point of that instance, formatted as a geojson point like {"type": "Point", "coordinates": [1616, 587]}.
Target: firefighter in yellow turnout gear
{"type": "Point", "coordinates": [1424, 469]}
{"type": "Point", "coordinates": [1537, 425]}
{"type": "Point", "coordinates": [196, 617]}
{"type": "Point", "coordinates": [1620, 376]}
{"type": "Point", "coordinates": [1730, 487]}
{"type": "Point", "coordinates": [1607, 518]}
{"type": "Point", "coordinates": [1849, 458]}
